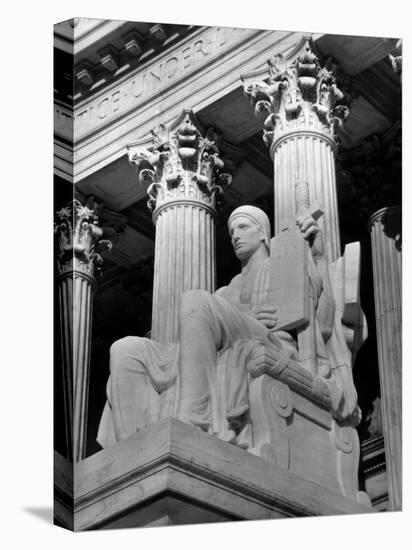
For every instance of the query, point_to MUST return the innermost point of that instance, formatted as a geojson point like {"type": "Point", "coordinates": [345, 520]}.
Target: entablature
{"type": "Point", "coordinates": [202, 72]}
{"type": "Point", "coordinates": [158, 90]}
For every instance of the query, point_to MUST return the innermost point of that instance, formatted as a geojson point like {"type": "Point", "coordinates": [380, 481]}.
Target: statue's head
{"type": "Point", "coordinates": [249, 229]}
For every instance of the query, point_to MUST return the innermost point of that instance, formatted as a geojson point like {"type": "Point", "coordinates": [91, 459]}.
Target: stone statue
{"type": "Point", "coordinates": [226, 340]}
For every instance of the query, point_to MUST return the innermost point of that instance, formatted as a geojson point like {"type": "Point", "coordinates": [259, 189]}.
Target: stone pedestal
{"type": "Point", "coordinates": [172, 473]}
{"type": "Point", "coordinates": [385, 228]}
{"type": "Point", "coordinates": [295, 431]}
{"type": "Point", "coordinates": [185, 175]}
{"type": "Point", "coordinates": [78, 242]}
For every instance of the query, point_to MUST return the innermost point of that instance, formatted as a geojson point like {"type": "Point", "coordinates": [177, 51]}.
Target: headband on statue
{"type": "Point", "coordinates": [257, 216]}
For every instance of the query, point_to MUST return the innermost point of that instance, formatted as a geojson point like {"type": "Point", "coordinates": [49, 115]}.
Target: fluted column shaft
{"type": "Point", "coordinates": [385, 228]}
{"type": "Point", "coordinates": [308, 156]}
{"type": "Point", "coordinates": [78, 241]}
{"type": "Point", "coordinates": [65, 294]}
{"type": "Point", "coordinates": [184, 260]}
{"type": "Point", "coordinates": [76, 307]}
{"type": "Point", "coordinates": [186, 175]}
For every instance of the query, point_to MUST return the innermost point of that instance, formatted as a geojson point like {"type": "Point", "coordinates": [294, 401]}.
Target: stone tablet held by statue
{"type": "Point", "coordinates": [289, 278]}
{"type": "Point", "coordinates": [289, 281]}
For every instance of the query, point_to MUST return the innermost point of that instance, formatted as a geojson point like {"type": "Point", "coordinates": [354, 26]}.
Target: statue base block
{"type": "Point", "coordinates": [173, 474]}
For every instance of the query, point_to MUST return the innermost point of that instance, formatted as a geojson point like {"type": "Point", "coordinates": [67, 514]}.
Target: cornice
{"type": "Point", "coordinates": [154, 77]}
{"type": "Point", "coordinates": [74, 35]}
{"type": "Point", "coordinates": [104, 51]}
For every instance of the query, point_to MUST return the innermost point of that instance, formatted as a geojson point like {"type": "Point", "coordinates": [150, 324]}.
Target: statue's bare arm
{"type": "Point", "coordinates": [311, 232]}
{"type": "Point", "coordinates": [325, 310]}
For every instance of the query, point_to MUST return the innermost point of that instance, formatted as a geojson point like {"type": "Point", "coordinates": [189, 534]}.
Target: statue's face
{"type": "Point", "coordinates": [246, 237]}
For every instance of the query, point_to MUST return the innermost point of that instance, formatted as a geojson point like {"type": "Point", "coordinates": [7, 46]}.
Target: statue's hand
{"type": "Point", "coordinates": [266, 315]}
{"type": "Point", "coordinates": [311, 231]}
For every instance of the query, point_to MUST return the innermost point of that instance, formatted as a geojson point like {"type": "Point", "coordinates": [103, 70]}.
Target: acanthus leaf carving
{"type": "Point", "coordinates": [182, 161]}
{"type": "Point", "coordinates": [298, 94]}
{"type": "Point", "coordinates": [79, 239]}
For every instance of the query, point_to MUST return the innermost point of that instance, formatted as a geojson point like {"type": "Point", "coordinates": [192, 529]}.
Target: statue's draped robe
{"type": "Point", "coordinates": [145, 385]}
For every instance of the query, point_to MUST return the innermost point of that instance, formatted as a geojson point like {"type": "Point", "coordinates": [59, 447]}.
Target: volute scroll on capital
{"type": "Point", "coordinates": [183, 161]}
{"type": "Point", "coordinates": [297, 93]}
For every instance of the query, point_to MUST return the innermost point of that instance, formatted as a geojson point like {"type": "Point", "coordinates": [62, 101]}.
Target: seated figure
{"type": "Point", "coordinates": [225, 339]}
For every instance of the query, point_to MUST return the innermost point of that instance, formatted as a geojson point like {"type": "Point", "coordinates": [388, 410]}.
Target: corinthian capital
{"type": "Point", "coordinates": [296, 92]}
{"type": "Point", "coordinates": [79, 239]}
{"type": "Point", "coordinates": [181, 162]}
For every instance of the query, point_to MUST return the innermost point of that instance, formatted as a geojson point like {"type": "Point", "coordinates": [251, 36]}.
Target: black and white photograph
{"type": "Point", "coordinates": [228, 274]}
{"type": "Point", "coordinates": [216, 341]}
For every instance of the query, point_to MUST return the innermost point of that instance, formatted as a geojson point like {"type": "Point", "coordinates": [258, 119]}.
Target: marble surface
{"type": "Point", "coordinates": [170, 468]}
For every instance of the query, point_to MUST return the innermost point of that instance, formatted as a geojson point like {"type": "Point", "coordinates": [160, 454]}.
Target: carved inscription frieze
{"type": "Point", "coordinates": [147, 82]}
